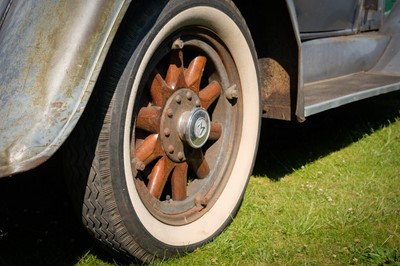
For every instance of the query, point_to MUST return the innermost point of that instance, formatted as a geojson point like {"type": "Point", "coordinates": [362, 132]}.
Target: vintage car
{"type": "Point", "coordinates": [157, 105]}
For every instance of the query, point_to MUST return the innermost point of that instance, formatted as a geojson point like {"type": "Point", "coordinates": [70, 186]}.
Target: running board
{"type": "Point", "coordinates": [332, 93]}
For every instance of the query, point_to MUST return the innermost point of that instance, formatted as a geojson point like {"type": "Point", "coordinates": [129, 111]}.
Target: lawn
{"type": "Point", "coordinates": [324, 192]}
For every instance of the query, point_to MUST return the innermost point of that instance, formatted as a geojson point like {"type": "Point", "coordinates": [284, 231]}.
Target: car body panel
{"type": "Point", "coordinates": [4, 6]}
{"type": "Point", "coordinates": [51, 52]}
{"type": "Point", "coordinates": [324, 18]}
{"type": "Point", "coordinates": [326, 15]}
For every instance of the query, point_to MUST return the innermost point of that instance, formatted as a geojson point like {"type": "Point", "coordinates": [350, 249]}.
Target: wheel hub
{"type": "Point", "coordinates": [194, 127]}
{"type": "Point", "coordinates": [184, 123]}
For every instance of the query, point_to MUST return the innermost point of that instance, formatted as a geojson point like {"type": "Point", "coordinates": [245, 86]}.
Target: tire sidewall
{"type": "Point", "coordinates": [158, 236]}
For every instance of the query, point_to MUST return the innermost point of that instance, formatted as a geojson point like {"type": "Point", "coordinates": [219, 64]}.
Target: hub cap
{"type": "Point", "coordinates": [194, 127]}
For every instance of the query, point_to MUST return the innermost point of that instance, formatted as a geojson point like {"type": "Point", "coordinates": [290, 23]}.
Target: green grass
{"type": "Point", "coordinates": [325, 192]}
{"type": "Point", "coordinates": [341, 209]}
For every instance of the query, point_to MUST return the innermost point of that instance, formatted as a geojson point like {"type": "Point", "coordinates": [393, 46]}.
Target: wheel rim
{"type": "Point", "coordinates": [188, 116]}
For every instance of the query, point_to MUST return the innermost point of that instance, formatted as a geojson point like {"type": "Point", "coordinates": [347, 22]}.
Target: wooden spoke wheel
{"type": "Point", "coordinates": [177, 141]}
{"type": "Point", "coordinates": [186, 126]}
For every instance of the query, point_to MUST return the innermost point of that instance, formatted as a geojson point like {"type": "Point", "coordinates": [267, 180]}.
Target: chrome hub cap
{"type": "Point", "coordinates": [194, 127]}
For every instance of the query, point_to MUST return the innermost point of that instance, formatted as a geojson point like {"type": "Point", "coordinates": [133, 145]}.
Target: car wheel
{"type": "Point", "coordinates": [179, 137]}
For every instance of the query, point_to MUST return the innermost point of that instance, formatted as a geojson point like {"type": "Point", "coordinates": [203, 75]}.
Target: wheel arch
{"type": "Point", "coordinates": [276, 36]}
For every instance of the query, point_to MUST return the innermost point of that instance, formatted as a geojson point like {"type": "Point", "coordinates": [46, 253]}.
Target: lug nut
{"type": "Point", "coordinates": [180, 156]}
{"type": "Point", "coordinates": [177, 44]}
{"type": "Point", "coordinates": [171, 149]}
{"type": "Point", "coordinates": [139, 165]}
{"type": "Point", "coordinates": [178, 99]}
{"type": "Point", "coordinates": [168, 198]}
{"type": "Point", "coordinates": [167, 132]}
{"type": "Point", "coordinates": [170, 112]}
{"type": "Point", "coordinates": [200, 201]}
{"type": "Point", "coordinates": [198, 103]}
{"type": "Point", "coordinates": [189, 96]}
{"type": "Point", "coordinates": [232, 92]}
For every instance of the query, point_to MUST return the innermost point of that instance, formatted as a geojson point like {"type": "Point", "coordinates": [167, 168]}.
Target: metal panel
{"type": "Point", "coordinates": [325, 15]}
{"type": "Point", "coordinates": [321, 96]}
{"type": "Point", "coordinates": [51, 54]}
{"type": "Point", "coordinates": [4, 6]}
{"type": "Point", "coordinates": [390, 61]}
{"type": "Point", "coordinates": [338, 56]}
{"type": "Point", "coordinates": [372, 15]}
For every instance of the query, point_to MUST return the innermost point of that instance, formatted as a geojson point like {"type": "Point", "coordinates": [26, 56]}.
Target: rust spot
{"type": "Point", "coordinates": [275, 89]}
{"type": "Point", "coordinates": [58, 105]}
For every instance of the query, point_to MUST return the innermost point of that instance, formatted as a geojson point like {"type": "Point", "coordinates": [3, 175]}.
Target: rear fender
{"type": "Point", "coordinates": [51, 54]}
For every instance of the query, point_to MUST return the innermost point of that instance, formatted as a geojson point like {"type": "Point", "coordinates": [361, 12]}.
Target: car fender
{"type": "Point", "coordinates": [51, 55]}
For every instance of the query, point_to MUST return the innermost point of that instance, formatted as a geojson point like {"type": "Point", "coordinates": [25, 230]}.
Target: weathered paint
{"type": "Point", "coordinates": [4, 7]}
{"type": "Point", "coordinates": [299, 79]}
{"type": "Point", "coordinates": [315, 15]}
{"type": "Point", "coordinates": [51, 53]}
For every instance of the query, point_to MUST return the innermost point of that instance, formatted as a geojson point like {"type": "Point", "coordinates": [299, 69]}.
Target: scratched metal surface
{"type": "Point", "coordinates": [51, 53]}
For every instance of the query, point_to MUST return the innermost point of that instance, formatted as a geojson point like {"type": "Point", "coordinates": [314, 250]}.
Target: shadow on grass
{"type": "Point", "coordinates": [37, 224]}
{"type": "Point", "coordinates": [286, 146]}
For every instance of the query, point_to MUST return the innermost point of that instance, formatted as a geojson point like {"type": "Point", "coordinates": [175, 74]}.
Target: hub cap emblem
{"type": "Point", "coordinates": [196, 125]}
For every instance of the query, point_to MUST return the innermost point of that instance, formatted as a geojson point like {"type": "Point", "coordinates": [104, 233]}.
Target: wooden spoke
{"type": "Point", "coordinates": [194, 73]}
{"type": "Point", "coordinates": [159, 90]}
{"type": "Point", "coordinates": [209, 94]}
{"type": "Point", "coordinates": [149, 150]}
{"type": "Point", "coordinates": [175, 78]}
{"type": "Point", "coordinates": [149, 119]}
{"type": "Point", "coordinates": [179, 182]}
{"type": "Point", "coordinates": [215, 131]}
{"type": "Point", "coordinates": [159, 176]}
{"type": "Point", "coordinates": [199, 164]}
